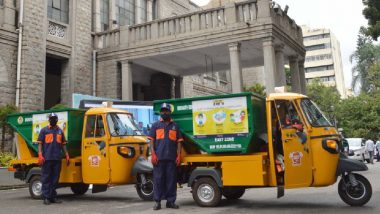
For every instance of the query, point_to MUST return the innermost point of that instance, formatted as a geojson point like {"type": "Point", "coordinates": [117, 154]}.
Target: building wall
{"type": "Point", "coordinates": [168, 8]}
{"type": "Point", "coordinates": [332, 72]}
{"type": "Point", "coordinates": [8, 62]}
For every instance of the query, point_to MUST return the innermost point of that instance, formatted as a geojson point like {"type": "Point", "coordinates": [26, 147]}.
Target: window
{"type": "Point", "coordinates": [58, 10]}
{"type": "Point", "coordinates": [125, 12]}
{"type": "Point", "coordinates": [318, 47]}
{"type": "Point", "coordinates": [104, 15]}
{"type": "Point", "coordinates": [155, 10]}
{"type": "Point", "coordinates": [95, 126]}
{"type": "Point", "coordinates": [316, 37]}
{"type": "Point", "coordinates": [122, 124]}
{"type": "Point", "coordinates": [318, 57]}
{"type": "Point", "coordinates": [143, 11]}
{"type": "Point", "coordinates": [319, 68]}
{"type": "Point", "coordinates": [313, 114]}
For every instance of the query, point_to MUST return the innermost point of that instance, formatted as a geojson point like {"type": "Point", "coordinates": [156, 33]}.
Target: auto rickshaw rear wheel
{"type": "Point", "coordinates": [35, 187]}
{"type": "Point", "coordinates": [206, 193]}
{"type": "Point", "coordinates": [79, 188]}
{"type": "Point", "coordinates": [355, 195]}
{"type": "Point", "coordinates": [233, 193]}
{"type": "Point", "coordinates": [145, 191]}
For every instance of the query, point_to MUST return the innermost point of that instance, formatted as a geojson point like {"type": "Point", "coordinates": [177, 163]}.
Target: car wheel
{"type": "Point", "coordinates": [35, 187]}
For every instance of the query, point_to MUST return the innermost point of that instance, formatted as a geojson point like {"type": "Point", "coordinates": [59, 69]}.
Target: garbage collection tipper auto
{"type": "Point", "coordinates": [239, 141]}
{"type": "Point", "coordinates": [104, 144]}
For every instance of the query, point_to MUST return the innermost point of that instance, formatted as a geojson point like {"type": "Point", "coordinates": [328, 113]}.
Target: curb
{"type": "Point", "coordinates": [18, 186]}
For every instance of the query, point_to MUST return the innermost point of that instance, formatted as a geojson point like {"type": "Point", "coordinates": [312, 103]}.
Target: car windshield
{"type": "Point", "coordinates": [354, 142]}
{"type": "Point", "coordinates": [313, 114]}
{"type": "Point", "coordinates": [121, 124]}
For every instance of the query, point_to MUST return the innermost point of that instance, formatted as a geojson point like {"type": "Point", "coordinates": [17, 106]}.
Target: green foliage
{"type": "Point", "coordinates": [327, 98]}
{"type": "Point", "coordinates": [365, 56]}
{"type": "Point", "coordinates": [256, 88]}
{"type": "Point", "coordinates": [360, 116]}
{"type": "Point", "coordinates": [59, 106]}
{"type": "Point", "coordinates": [372, 13]}
{"type": "Point", "coordinates": [5, 158]}
{"type": "Point", "coordinates": [4, 111]}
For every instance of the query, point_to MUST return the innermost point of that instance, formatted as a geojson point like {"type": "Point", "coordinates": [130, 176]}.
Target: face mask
{"type": "Point", "coordinates": [53, 121]}
{"type": "Point", "coordinates": [165, 116]}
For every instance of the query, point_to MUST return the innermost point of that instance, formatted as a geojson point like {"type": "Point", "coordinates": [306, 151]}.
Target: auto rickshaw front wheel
{"type": "Point", "coordinates": [355, 195]}
{"type": "Point", "coordinates": [145, 191]}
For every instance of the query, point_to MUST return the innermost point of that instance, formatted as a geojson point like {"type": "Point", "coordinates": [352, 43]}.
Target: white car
{"type": "Point", "coordinates": [357, 149]}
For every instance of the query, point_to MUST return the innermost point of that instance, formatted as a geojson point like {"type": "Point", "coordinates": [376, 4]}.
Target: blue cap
{"type": "Point", "coordinates": [53, 115]}
{"type": "Point", "coordinates": [166, 106]}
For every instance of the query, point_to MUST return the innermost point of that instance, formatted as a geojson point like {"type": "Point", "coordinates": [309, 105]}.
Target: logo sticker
{"type": "Point", "coordinates": [94, 160]}
{"type": "Point", "coordinates": [296, 158]}
{"type": "Point", "coordinates": [20, 120]}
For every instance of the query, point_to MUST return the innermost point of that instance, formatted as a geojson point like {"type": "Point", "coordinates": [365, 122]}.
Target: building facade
{"type": "Point", "coordinates": [323, 58]}
{"type": "Point", "coordinates": [141, 49]}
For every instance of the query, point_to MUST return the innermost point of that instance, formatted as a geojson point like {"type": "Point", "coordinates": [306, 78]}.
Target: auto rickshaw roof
{"type": "Point", "coordinates": [285, 96]}
{"type": "Point", "coordinates": [102, 110]}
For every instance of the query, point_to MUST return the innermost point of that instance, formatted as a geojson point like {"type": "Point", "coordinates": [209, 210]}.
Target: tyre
{"type": "Point", "coordinates": [35, 187]}
{"type": "Point", "coordinates": [233, 193]}
{"type": "Point", "coordinates": [145, 192]}
{"type": "Point", "coordinates": [355, 196]}
{"type": "Point", "coordinates": [206, 193]}
{"type": "Point", "coordinates": [79, 188]}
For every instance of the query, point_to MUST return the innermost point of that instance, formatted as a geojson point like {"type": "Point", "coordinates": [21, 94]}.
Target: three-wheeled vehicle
{"type": "Point", "coordinates": [105, 146]}
{"type": "Point", "coordinates": [239, 141]}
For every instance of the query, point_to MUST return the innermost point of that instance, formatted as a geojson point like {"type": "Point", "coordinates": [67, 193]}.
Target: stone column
{"type": "Point", "coordinates": [9, 14]}
{"type": "Point", "coordinates": [179, 87]}
{"type": "Point", "coordinates": [280, 77]}
{"type": "Point", "coordinates": [149, 10]}
{"type": "Point", "coordinates": [112, 15]}
{"type": "Point", "coordinates": [126, 78]}
{"type": "Point", "coordinates": [301, 68]}
{"type": "Point", "coordinates": [294, 70]}
{"type": "Point", "coordinates": [236, 71]}
{"type": "Point", "coordinates": [269, 64]}
{"type": "Point", "coordinates": [138, 11]}
{"type": "Point", "coordinates": [97, 25]}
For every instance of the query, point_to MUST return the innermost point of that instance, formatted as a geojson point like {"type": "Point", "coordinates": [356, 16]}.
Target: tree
{"type": "Point", "coordinates": [372, 13]}
{"type": "Point", "coordinates": [326, 97]}
{"type": "Point", "coordinates": [256, 88]}
{"type": "Point", "coordinates": [365, 56]}
{"type": "Point", "coordinates": [4, 112]}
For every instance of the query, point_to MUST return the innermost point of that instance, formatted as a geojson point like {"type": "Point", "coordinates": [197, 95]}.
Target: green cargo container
{"type": "Point", "coordinates": [29, 124]}
{"type": "Point", "coordinates": [231, 123]}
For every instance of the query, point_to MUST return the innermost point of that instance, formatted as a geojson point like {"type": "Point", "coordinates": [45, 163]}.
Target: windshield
{"type": "Point", "coordinates": [122, 124]}
{"type": "Point", "coordinates": [355, 142]}
{"type": "Point", "coordinates": [313, 114]}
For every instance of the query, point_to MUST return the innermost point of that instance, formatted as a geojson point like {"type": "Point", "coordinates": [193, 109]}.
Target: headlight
{"type": "Point", "coordinates": [126, 151]}
{"type": "Point", "coordinates": [331, 145]}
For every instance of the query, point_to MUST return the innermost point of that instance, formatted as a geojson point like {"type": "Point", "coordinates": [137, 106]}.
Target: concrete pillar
{"type": "Point", "coordinates": [295, 76]}
{"type": "Point", "coordinates": [126, 81]}
{"type": "Point", "coordinates": [236, 71]}
{"type": "Point", "coordinates": [179, 87]}
{"type": "Point", "coordinates": [149, 10]}
{"type": "Point", "coordinates": [112, 15]}
{"type": "Point", "coordinates": [138, 11]}
{"type": "Point", "coordinates": [301, 68]}
{"type": "Point", "coordinates": [280, 77]}
{"type": "Point", "coordinates": [269, 64]}
{"type": "Point", "coordinates": [97, 25]}
{"type": "Point", "coordinates": [9, 14]}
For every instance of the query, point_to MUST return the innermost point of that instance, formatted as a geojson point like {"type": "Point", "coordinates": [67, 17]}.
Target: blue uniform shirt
{"type": "Point", "coordinates": [52, 140]}
{"type": "Point", "coordinates": [165, 137]}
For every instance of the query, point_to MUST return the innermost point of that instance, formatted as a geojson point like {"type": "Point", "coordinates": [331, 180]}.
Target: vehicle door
{"type": "Point", "coordinates": [296, 152]}
{"type": "Point", "coordinates": [95, 158]}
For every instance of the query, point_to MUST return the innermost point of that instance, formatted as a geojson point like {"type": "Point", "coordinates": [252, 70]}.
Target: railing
{"type": "Point", "coordinates": [281, 19]}
{"type": "Point", "coordinates": [214, 19]}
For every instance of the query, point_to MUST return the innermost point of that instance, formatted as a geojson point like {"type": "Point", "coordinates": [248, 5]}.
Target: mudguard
{"type": "Point", "coordinates": [205, 172]}
{"type": "Point", "coordinates": [32, 171]}
{"type": "Point", "coordinates": [348, 165]}
{"type": "Point", "coordinates": [142, 165]}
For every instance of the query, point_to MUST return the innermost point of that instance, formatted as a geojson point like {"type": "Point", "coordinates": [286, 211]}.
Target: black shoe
{"type": "Point", "coordinates": [46, 201]}
{"type": "Point", "coordinates": [55, 201]}
{"type": "Point", "coordinates": [157, 206]}
{"type": "Point", "coordinates": [172, 205]}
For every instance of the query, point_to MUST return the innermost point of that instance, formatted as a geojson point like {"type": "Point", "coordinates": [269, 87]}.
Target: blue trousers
{"type": "Point", "coordinates": [165, 181]}
{"type": "Point", "coordinates": [50, 178]}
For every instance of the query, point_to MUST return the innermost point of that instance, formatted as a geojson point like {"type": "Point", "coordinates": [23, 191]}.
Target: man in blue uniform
{"type": "Point", "coordinates": [165, 143]}
{"type": "Point", "coordinates": [51, 141]}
